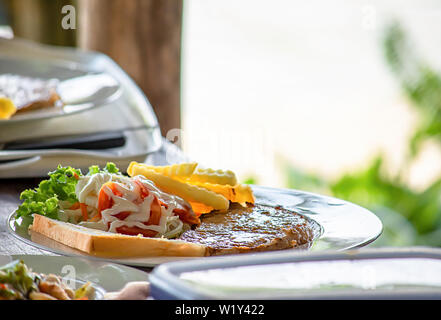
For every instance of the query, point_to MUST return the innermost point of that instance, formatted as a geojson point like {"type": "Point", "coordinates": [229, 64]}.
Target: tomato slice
{"type": "Point", "coordinates": [122, 215]}
{"type": "Point", "coordinates": [144, 191]}
{"type": "Point", "coordinates": [155, 208]}
{"type": "Point", "coordinates": [84, 213]}
{"type": "Point", "coordinates": [104, 200]}
{"type": "Point", "coordinates": [134, 231]}
{"type": "Point", "coordinates": [187, 215]}
{"type": "Point", "coordinates": [155, 212]}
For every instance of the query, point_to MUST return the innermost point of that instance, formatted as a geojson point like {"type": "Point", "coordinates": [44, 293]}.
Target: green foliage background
{"type": "Point", "coordinates": [410, 217]}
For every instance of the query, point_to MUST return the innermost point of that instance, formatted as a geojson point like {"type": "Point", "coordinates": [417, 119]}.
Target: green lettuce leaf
{"type": "Point", "coordinates": [60, 186]}
{"type": "Point", "coordinates": [109, 168]}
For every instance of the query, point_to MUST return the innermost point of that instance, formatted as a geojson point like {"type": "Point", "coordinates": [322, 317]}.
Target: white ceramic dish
{"type": "Point", "coordinates": [343, 225]}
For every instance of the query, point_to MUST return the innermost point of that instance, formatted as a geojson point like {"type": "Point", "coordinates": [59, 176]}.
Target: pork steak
{"type": "Point", "coordinates": [252, 229]}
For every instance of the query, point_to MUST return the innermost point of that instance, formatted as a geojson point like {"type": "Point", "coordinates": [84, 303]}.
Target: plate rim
{"type": "Point", "coordinates": [135, 262]}
{"type": "Point", "coordinates": [337, 201]}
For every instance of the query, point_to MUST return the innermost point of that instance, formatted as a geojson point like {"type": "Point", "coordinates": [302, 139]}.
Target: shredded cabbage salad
{"type": "Point", "coordinates": [107, 200]}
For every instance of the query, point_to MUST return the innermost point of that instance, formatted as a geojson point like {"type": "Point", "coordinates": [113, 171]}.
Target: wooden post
{"type": "Point", "coordinates": [40, 21]}
{"type": "Point", "coordinates": [144, 38]}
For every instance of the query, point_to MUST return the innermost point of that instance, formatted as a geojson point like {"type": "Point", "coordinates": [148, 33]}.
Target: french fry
{"type": "Point", "coordinates": [213, 176]}
{"type": "Point", "coordinates": [188, 171]}
{"type": "Point", "coordinates": [240, 193]}
{"type": "Point", "coordinates": [180, 170]}
{"type": "Point", "coordinates": [188, 192]}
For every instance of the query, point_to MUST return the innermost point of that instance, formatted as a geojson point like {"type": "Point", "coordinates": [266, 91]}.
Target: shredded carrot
{"type": "Point", "coordinates": [83, 207]}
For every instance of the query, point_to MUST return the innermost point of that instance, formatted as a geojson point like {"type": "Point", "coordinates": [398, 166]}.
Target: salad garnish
{"type": "Point", "coordinates": [18, 282]}
{"type": "Point", "coordinates": [107, 200]}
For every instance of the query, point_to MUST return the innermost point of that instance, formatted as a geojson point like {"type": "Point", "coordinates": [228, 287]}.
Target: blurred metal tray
{"type": "Point", "coordinates": [379, 274]}
{"type": "Point", "coordinates": [127, 113]}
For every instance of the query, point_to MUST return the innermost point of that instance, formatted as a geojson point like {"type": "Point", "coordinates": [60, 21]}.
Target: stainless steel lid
{"type": "Point", "coordinates": [114, 123]}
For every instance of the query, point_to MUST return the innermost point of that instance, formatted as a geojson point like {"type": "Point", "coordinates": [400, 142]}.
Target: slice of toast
{"type": "Point", "coordinates": [107, 244]}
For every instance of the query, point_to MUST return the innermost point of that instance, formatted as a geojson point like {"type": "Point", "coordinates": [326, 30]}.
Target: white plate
{"type": "Point", "coordinates": [104, 276]}
{"type": "Point", "coordinates": [79, 90]}
{"type": "Point", "coordinates": [343, 225]}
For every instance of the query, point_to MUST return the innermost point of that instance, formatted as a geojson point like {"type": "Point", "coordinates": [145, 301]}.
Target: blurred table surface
{"type": "Point", "coordinates": [10, 190]}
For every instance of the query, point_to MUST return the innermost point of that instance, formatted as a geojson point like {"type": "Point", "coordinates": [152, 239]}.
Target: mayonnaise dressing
{"type": "Point", "coordinates": [91, 185]}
